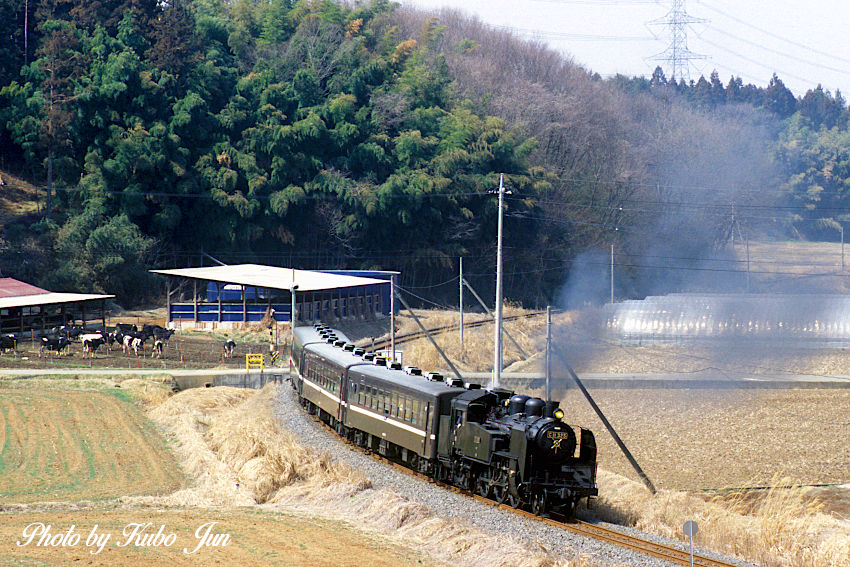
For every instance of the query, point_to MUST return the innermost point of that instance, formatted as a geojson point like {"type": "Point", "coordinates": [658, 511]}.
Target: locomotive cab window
{"type": "Point", "coordinates": [476, 413]}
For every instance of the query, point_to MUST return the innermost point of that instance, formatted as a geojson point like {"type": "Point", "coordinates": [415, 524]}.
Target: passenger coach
{"type": "Point", "coordinates": [382, 408]}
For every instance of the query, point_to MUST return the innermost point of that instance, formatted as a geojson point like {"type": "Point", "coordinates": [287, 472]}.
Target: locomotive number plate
{"type": "Point", "coordinates": [557, 435]}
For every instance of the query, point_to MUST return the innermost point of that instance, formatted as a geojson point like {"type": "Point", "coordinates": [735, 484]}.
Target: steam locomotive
{"type": "Point", "coordinates": [512, 448]}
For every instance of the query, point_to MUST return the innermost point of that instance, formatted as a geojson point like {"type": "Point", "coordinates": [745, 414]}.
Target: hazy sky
{"type": "Point", "coordinates": [804, 42]}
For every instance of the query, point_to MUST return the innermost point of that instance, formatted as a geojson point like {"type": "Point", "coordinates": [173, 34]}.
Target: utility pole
{"type": "Point", "coordinates": [748, 262]}
{"type": "Point", "coordinates": [392, 316]}
{"type": "Point", "coordinates": [26, 31]}
{"type": "Point", "coordinates": [497, 331]}
{"type": "Point", "coordinates": [842, 247]}
{"type": "Point", "coordinates": [612, 274]}
{"type": "Point", "coordinates": [548, 359]}
{"type": "Point", "coordinates": [460, 301]}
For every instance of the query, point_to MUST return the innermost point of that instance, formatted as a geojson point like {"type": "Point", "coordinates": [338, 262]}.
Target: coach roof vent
{"type": "Point", "coordinates": [413, 371]}
{"type": "Point", "coordinates": [339, 343]}
{"type": "Point", "coordinates": [456, 382]}
{"type": "Point", "coordinates": [434, 376]}
{"type": "Point", "coordinates": [380, 361]}
{"type": "Point", "coordinates": [349, 347]}
{"type": "Point", "coordinates": [359, 351]}
{"type": "Point", "coordinates": [370, 356]}
{"type": "Point", "coordinates": [472, 386]}
{"type": "Point", "coordinates": [394, 365]}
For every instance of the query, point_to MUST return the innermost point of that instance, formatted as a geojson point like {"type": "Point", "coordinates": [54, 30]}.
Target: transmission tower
{"type": "Point", "coordinates": [677, 54]}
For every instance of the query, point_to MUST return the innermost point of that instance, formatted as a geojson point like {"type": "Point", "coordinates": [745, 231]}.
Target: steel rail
{"type": "Point", "coordinates": [587, 529]}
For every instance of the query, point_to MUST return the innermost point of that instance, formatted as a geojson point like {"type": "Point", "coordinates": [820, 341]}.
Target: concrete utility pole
{"type": "Point", "coordinates": [548, 353]}
{"type": "Point", "coordinates": [461, 303]}
{"type": "Point", "coordinates": [497, 331]}
{"type": "Point", "coordinates": [612, 274]}
{"type": "Point", "coordinates": [392, 316]}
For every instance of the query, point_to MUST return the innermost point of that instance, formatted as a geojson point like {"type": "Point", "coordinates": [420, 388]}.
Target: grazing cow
{"type": "Point", "coordinates": [125, 328]}
{"type": "Point", "coordinates": [116, 337]}
{"type": "Point", "coordinates": [151, 330]}
{"type": "Point", "coordinates": [92, 342]}
{"type": "Point", "coordinates": [67, 331]}
{"type": "Point", "coordinates": [162, 334]}
{"type": "Point", "coordinates": [138, 344]}
{"type": "Point", "coordinates": [8, 342]}
{"type": "Point", "coordinates": [134, 341]}
{"type": "Point", "coordinates": [56, 344]}
{"type": "Point", "coordinates": [159, 348]}
{"type": "Point", "coordinates": [228, 348]}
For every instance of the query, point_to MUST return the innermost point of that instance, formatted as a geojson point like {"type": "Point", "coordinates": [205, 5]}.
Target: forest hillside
{"type": "Point", "coordinates": [366, 135]}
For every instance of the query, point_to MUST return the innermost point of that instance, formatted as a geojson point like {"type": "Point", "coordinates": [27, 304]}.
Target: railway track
{"type": "Point", "coordinates": [608, 535]}
{"type": "Point", "coordinates": [415, 335]}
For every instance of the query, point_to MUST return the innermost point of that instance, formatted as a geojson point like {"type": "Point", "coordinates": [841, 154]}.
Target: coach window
{"type": "Point", "coordinates": [394, 405]}
{"type": "Point", "coordinates": [407, 403]}
{"type": "Point", "coordinates": [386, 402]}
{"type": "Point", "coordinates": [414, 409]}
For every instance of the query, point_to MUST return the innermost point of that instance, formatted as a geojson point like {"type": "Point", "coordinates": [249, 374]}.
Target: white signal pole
{"type": "Point", "coordinates": [497, 331]}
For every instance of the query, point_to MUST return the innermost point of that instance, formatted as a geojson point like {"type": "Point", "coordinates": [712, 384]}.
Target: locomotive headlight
{"type": "Point", "coordinates": [559, 414]}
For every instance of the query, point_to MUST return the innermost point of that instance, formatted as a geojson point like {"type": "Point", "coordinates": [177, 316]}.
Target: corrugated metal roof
{"type": "Point", "coordinates": [10, 287]}
{"type": "Point", "coordinates": [48, 298]}
{"type": "Point", "coordinates": [272, 277]}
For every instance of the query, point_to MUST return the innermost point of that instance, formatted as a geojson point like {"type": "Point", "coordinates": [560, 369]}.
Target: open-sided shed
{"type": "Point", "coordinates": [246, 293]}
{"type": "Point", "coordinates": [26, 308]}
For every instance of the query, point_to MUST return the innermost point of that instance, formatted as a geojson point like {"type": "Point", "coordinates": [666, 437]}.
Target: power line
{"type": "Point", "coordinates": [773, 35]}
{"type": "Point", "coordinates": [781, 53]}
{"type": "Point", "coordinates": [756, 62]}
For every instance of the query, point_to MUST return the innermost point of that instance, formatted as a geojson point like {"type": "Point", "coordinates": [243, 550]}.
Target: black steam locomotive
{"type": "Point", "coordinates": [512, 448]}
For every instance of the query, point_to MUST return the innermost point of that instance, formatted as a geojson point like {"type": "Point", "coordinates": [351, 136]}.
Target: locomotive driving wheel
{"type": "Point", "coordinates": [538, 503]}
{"type": "Point", "coordinates": [500, 487]}
{"type": "Point", "coordinates": [485, 489]}
{"type": "Point", "coordinates": [513, 501]}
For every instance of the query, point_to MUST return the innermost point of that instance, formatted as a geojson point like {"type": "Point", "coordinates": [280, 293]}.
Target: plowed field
{"type": "Point", "coordinates": [79, 445]}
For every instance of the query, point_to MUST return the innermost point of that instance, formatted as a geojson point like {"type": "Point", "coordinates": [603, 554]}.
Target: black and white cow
{"type": "Point", "coordinates": [162, 334]}
{"type": "Point", "coordinates": [228, 348]}
{"type": "Point", "coordinates": [125, 328]}
{"type": "Point", "coordinates": [93, 341]}
{"type": "Point", "coordinates": [159, 348]}
{"type": "Point", "coordinates": [67, 331]}
{"type": "Point", "coordinates": [134, 342]}
{"type": "Point", "coordinates": [54, 344]}
{"type": "Point", "coordinates": [8, 342]}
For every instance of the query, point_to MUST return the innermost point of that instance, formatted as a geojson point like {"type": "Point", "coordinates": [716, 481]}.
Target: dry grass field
{"type": "Point", "coordinates": [716, 439]}
{"type": "Point", "coordinates": [801, 267]}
